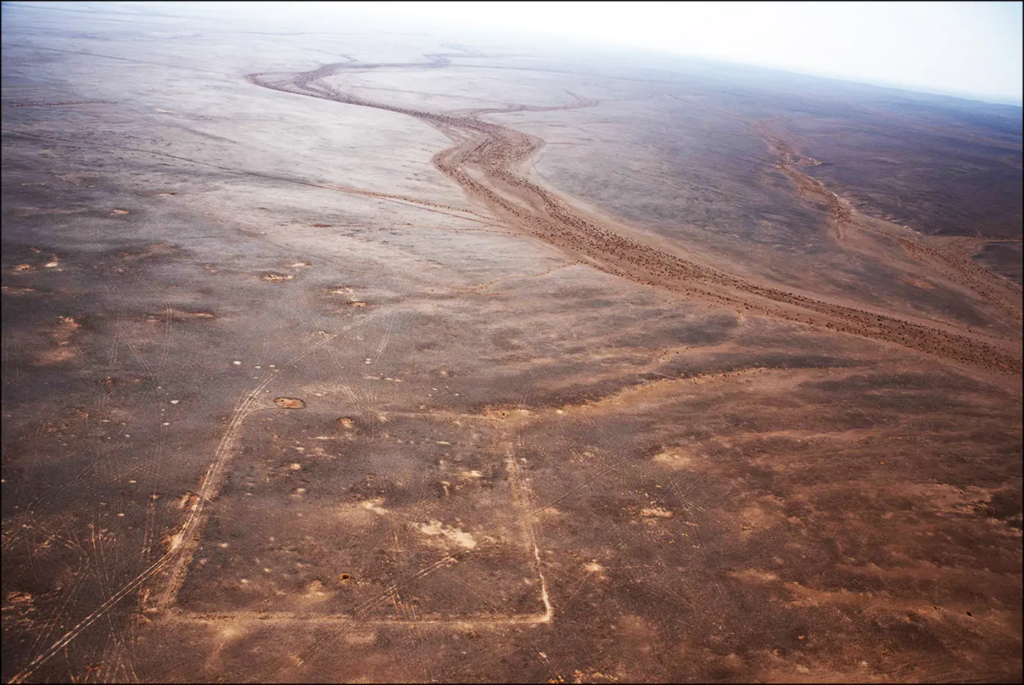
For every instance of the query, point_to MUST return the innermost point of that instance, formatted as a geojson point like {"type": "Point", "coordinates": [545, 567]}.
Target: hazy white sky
{"type": "Point", "coordinates": [966, 48]}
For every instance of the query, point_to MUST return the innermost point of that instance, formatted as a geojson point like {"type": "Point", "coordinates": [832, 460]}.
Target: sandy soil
{"type": "Point", "coordinates": [342, 355]}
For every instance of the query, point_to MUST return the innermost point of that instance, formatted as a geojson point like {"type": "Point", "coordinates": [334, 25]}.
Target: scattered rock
{"type": "Point", "coordinates": [278, 278]}
{"type": "Point", "coordinates": [290, 402]}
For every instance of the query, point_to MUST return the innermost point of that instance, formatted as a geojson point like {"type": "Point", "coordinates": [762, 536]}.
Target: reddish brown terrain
{"type": "Point", "coordinates": [336, 354]}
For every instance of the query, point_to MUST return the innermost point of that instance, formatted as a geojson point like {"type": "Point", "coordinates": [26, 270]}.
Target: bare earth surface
{"type": "Point", "coordinates": [340, 355]}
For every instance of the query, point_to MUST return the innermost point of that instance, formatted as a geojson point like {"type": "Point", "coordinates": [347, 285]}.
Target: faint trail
{"type": "Point", "coordinates": [487, 161]}
{"type": "Point", "coordinates": [425, 205]}
{"type": "Point", "coordinates": [394, 587]}
{"type": "Point", "coordinates": [392, 314]}
{"type": "Point", "coordinates": [519, 277]}
{"type": "Point", "coordinates": [59, 104]}
{"type": "Point", "coordinates": [120, 59]}
{"type": "Point", "coordinates": [586, 484]}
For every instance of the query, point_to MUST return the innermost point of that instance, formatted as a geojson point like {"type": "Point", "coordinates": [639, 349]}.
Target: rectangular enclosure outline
{"type": "Point", "coordinates": [186, 543]}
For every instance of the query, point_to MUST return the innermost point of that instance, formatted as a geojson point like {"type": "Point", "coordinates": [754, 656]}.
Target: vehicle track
{"type": "Point", "coordinates": [487, 161]}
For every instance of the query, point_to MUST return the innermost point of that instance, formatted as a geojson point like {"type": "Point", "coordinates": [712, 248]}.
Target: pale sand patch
{"type": "Point", "coordinates": [459, 537]}
{"type": "Point", "coordinates": [673, 457]}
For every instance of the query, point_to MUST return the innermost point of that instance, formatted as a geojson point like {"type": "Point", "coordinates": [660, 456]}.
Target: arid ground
{"type": "Point", "coordinates": [336, 354]}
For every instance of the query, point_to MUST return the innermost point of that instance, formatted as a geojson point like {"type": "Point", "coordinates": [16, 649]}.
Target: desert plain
{"type": "Point", "coordinates": [333, 353]}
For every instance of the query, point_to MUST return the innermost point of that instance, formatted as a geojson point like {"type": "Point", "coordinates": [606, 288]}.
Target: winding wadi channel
{"type": "Point", "coordinates": [487, 160]}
